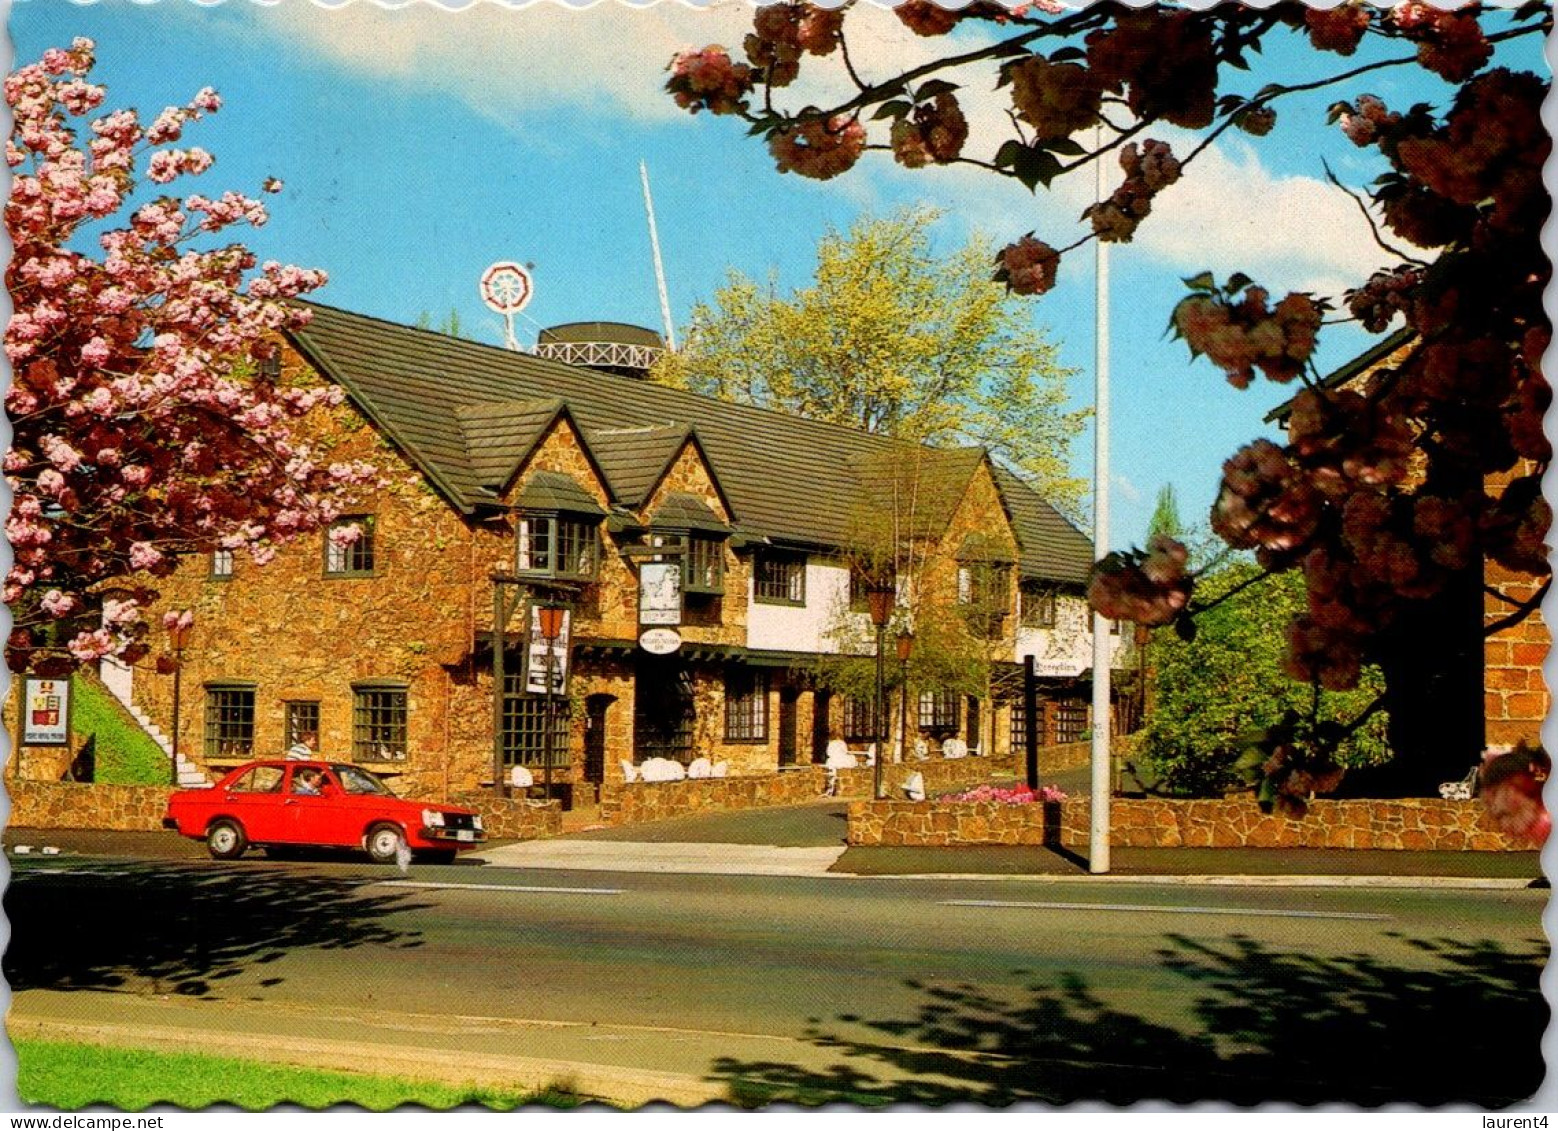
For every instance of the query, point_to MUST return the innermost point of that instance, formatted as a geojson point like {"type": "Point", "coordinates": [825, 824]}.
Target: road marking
{"type": "Point", "coordinates": [495, 887]}
{"type": "Point", "coordinates": [1163, 908]}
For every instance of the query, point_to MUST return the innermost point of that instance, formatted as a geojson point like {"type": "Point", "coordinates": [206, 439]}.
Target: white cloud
{"type": "Point", "coordinates": [1230, 213]}
{"type": "Point", "coordinates": [503, 60]}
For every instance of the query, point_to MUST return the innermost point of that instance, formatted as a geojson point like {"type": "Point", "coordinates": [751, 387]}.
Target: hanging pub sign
{"type": "Point", "coordinates": [660, 593]}
{"type": "Point", "coordinates": [660, 641]}
{"type": "Point", "coordinates": [46, 721]}
{"type": "Point", "coordinates": [536, 658]}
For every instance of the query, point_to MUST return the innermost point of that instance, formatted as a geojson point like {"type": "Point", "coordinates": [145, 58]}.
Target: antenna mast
{"type": "Point", "coordinates": [654, 245]}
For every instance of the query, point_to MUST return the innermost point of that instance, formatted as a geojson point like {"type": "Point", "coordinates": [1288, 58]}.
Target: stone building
{"type": "Point", "coordinates": [511, 480]}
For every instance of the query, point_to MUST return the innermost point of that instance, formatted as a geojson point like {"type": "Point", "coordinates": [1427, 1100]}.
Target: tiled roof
{"type": "Point", "coordinates": [555, 491]}
{"type": "Point", "coordinates": [445, 402]}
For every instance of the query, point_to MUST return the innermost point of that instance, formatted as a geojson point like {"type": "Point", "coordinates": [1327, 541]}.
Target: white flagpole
{"type": "Point", "coordinates": [1102, 775]}
{"type": "Point", "coordinates": [654, 246]}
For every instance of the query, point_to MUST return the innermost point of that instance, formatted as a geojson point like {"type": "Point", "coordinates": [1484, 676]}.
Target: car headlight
{"type": "Point", "coordinates": [432, 818]}
{"type": "Point", "coordinates": [476, 822]}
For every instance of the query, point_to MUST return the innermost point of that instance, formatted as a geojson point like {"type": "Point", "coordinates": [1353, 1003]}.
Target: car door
{"type": "Point", "coordinates": [256, 800]}
{"type": "Point", "coordinates": [314, 818]}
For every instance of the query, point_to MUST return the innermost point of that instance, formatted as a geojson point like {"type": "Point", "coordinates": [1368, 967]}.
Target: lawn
{"type": "Point", "coordinates": [73, 1076]}
{"type": "Point", "coordinates": [124, 754]}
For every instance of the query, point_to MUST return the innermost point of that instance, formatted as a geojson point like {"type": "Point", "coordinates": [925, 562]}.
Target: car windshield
{"type": "Point", "coordinates": [355, 780]}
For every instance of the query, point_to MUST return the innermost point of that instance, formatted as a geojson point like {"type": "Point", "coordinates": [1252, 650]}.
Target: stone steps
{"type": "Point", "coordinates": [190, 775]}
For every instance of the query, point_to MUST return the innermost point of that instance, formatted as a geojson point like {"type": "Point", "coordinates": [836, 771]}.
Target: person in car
{"type": "Point", "coordinates": [310, 782]}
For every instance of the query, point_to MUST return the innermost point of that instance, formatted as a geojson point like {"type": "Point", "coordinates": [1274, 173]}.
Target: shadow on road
{"type": "Point", "coordinates": [183, 930]}
{"type": "Point", "coordinates": [1266, 1026]}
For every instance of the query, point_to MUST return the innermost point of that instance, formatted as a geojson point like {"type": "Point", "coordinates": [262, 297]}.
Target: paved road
{"type": "Point", "coordinates": [641, 986]}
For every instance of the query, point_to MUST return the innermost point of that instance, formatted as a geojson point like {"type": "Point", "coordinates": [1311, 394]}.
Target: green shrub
{"type": "Point", "coordinates": [1208, 695]}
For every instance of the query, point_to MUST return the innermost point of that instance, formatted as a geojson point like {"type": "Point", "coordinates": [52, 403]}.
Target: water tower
{"type": "Point", "coordinates": [613, 347]}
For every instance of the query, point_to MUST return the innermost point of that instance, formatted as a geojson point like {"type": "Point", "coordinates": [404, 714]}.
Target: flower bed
{"type": "Point", "coordinates": [1015, 795]}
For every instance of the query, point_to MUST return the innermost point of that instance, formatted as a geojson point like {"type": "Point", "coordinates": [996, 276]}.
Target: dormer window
{"type": "Point", "coordinates": [686, 522]}
{"type": "Point", "coordinates": [557, 529]}
{"type": "Point", "coordinates": [558, 545]}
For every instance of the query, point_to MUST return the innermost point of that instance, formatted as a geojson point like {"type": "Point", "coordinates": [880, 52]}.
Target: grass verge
{"type": "Point", "coordinates": [124, 754]}
{"type": "Point", "coordinates": [73, 1076]}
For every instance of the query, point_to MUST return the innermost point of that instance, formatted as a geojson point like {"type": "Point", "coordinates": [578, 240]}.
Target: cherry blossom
{"type": "Point", "coordinates": [143, 428]}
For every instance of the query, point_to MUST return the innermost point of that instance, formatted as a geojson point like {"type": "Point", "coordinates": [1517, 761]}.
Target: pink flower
{"type": "Point", "coordinates": [57, 604]}
{"type": "Point", "coordinates": [143, 555]}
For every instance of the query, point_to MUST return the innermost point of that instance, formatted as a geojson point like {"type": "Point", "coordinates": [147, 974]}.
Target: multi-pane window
{"type": "Point", "coordinates": [1039, 607]}
{"type": "Point", "coordinates": [354, 557]}
{"type": "Point", "coordinates": [860, 719]}
{"type": "Point", "coordinates": [221, 563]}
{"type": "Point", "coordinates": [229, 721]}
{"type": "Point", "coordinates": [939, 711]}
{"type": "Point", "coordinates": [557, 546]}
{"type": "Point", "coordinates": [985, 587]}
{"type": "Point", "coordinates": [378, 723]}
{"type": "Point", "coordinates": [1070, 719]}
{"type": "Point", "coordinates": [664, 713]}
{"type": "Point", "coordinates": [746, 705]}
{"type": "Point", "coordinates": [301, 724]}
{"type": "Point", "coordinates": [703, 567]}
{"type": "Point", "coordinates": [779, 579]}
{"type": "Point", "coordinates": [525, 725]}
{"type": "Point", "coordinates": [1019, 716]}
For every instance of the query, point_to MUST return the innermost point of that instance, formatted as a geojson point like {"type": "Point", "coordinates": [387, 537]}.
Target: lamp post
{"type": "Point", "coordinates": [880, 595]}
{"type": "Point", "coordinates": [550, 617]}
{"type": "Point", "coordinates": [905, 649]}
{"type": "Point", "coordinates": [178, 640]}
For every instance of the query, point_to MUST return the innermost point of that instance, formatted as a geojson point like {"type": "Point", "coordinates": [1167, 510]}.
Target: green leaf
{"type": "Point", "coordinates": [1035, 166]}
{"type": "Point", "coordinates": [1202, 282]}
{"type": "Point", "coordinates": [1064, 146]}
{"type": "Point", "coordinates": [1007, 154]}
{"type": "Point", "coordinates": [1236, 283]}
{"type": "Point", "coordinates": [1067, 55]}
{"type": "Point", "coordinates": [897, 108]}
{"type": "Point", "coordinates": [934, 87]}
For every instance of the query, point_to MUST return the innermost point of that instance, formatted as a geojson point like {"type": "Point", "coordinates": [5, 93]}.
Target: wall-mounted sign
{"type": "Point", "coordinates": [660, 593]}
{"type": "Point", "coordinates": [660, 641]}
{"type": "Point", "coordinates": [535, 655]}
{"type": "Point", "coordinates": [46, 721]}
{"type": "Point", "coordinates": [1062, 668]}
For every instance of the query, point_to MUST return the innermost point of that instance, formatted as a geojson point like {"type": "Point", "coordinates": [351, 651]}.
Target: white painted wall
{"type": "Point", "coordinates": [802, 628]}
{"type": "Point", "coordinates": [1066, 649]}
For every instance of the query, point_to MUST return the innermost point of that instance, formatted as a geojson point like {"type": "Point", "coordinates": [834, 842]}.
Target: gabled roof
{"type": "Point", "coordinates": [444, 401]}
{"type": "Point", "coordinates": [636, 459]}
{"type": "Point", "coordinates": [500, 434]}
{"type": "Point", "coordinates": [1049, 548]}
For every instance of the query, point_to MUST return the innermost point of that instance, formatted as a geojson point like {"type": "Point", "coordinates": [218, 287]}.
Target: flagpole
{"type": "Point", "coordinates": [1102, 771]}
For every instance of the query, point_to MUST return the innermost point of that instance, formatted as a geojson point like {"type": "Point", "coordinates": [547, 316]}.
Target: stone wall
{"type": "Point", "coordinates": [507, 818]}
{"type": "Point", "coordinates": [1412, 823]}
{"type": "Point", "coordinates": [74, 805]}
{"type": "Point", "coordinates": [637, 802]}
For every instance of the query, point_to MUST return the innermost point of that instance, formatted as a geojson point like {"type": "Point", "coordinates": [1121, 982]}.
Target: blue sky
{"type": "Point", "coordinates": [419, 145]}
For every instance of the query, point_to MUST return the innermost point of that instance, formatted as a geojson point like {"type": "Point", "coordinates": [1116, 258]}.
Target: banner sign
{"type": "Point", "coordinates": [660, 593]}
{"type": "Point", "coordinates": [535, 668]}
{"type": "Point", "coordinates": [47, 718]}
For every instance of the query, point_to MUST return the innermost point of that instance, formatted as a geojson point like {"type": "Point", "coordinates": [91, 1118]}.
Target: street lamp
{"type": "Point", "coordinates": [550, 617]}
{"type": "Point", "coordinates": [880, 595]}
{"type": "Point", "coordinates": [178, 640]}
{"type": "Point", "coordinates": [905, 642]}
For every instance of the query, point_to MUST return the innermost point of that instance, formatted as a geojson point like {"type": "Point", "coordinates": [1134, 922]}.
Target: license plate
{"type": "Point", "coordinates": [464, 834]}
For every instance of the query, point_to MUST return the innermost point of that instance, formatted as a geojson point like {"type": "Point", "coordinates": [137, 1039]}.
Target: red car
{"type": "Point", "coordinates": [284, 804]}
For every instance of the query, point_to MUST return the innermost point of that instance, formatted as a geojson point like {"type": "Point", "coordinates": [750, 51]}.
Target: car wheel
{"type": "Point", "coordinates": [225, 840]}
{"type": "Point", "coordinates": [384, 843]}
